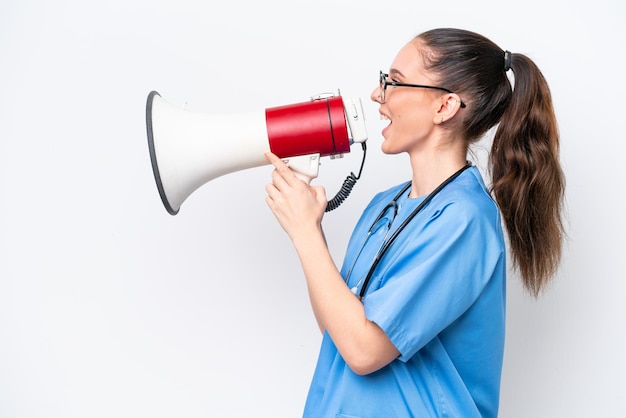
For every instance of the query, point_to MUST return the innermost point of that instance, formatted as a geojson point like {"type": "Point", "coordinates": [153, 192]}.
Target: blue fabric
{"type": "Point", "coordinates": [439, 295]}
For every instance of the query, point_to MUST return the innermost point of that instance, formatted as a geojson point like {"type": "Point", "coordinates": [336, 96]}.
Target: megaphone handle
{"type": "Point", "coordinates": [305, 167]}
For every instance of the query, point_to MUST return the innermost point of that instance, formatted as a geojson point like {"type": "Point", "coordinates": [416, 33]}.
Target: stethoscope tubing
{"type": "Point", "coordinates": [385, 246]}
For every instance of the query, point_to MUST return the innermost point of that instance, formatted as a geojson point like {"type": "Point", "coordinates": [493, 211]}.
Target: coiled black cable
{"type": "Point", "coordinates": [347, 186]}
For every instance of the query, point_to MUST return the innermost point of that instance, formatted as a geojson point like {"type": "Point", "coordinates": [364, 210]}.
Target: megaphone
{"type": "Point", "coordinates": [189, 149]}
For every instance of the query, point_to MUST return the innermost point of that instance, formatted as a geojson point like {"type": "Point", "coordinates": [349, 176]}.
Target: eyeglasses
{"type": "Point", "coordinates": [384, 83]}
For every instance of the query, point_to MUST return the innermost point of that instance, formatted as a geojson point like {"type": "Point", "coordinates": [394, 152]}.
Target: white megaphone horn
{"type": "Point", "coordinates": [189, 149]}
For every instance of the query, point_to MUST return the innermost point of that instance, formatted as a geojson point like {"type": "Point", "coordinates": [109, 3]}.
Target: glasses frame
{"type": "Point", "coordinates": [384, 82]}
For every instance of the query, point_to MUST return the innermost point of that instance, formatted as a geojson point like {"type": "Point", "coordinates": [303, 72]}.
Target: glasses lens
{"type": "Point", "coordinates": [381, 83]}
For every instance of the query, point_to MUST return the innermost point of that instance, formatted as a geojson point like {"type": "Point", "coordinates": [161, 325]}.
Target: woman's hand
{"type": "Point", "coordinates": [298, 207]}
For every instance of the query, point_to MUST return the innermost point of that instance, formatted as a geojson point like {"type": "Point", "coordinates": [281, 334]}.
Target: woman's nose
{"type": "Point", "coordinates": [375, 96]}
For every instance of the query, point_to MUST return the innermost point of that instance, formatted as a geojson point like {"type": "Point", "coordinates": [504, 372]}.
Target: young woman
{"type": "Point", "coordinates": [413, 323]}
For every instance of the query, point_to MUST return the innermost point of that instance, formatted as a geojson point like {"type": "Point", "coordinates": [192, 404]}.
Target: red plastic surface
{"type": "Point", "coordinates": [317, 126]}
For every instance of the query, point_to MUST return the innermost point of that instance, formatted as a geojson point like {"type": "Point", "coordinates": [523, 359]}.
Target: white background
{"type": "Point", "coordinates": [110, 307]}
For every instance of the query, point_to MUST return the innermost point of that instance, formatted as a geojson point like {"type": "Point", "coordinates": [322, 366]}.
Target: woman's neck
{"type": "Point", "coordinates": [430, 169]}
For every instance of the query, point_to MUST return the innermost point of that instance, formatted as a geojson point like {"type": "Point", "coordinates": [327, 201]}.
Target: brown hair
{"type": "Point", "coordinates": [527, 180]}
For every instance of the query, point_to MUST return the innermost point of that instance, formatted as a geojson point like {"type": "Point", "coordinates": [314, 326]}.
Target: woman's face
{"type": "Point", "coordinates": [410, 111]}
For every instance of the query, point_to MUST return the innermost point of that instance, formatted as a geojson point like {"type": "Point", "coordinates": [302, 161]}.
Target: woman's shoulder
{"type": "Point", "coordinates": [469, 196]}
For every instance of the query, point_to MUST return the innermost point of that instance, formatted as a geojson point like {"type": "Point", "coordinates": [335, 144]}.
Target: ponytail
{"type": "Point", "coordinates": [527, 179]}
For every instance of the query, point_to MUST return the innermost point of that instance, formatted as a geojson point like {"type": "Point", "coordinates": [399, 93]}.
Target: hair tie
{"type": "Point", "coordinates": [507, 60]}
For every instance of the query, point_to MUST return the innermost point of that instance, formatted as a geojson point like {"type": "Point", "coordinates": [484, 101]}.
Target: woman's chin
{"type": "Point", "coordinates": [386, 148]}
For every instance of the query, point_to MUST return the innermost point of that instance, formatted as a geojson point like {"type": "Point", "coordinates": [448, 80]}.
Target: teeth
{"type": "Point", "coordinates": [383, 117]}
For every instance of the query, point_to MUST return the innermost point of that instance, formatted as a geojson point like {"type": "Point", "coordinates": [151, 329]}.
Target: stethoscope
{"type": "Point", "coordinates": [386, 243]}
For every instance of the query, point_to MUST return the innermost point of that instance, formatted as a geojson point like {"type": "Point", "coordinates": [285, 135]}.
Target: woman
{"type": "Point", "coordinates": [424, 335]}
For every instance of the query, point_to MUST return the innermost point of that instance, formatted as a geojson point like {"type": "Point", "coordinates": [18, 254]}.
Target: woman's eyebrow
{"type": "Point", "coordinates": [395, 72]}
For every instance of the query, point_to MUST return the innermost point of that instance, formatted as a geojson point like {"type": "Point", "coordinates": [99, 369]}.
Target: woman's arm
{"type": "Point", "coordinates": [299, 209]}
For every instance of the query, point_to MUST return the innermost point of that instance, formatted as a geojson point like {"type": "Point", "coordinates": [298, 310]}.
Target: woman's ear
{"type": "Point", "coordinates": [449, 106]}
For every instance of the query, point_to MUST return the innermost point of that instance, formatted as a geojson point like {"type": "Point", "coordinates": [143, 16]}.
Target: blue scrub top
{"type": "Point", "coordinates": [439, 295]}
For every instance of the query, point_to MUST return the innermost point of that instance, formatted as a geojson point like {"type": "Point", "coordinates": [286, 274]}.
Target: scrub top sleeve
{"type": "Point", "coordinates": [435, 274]}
